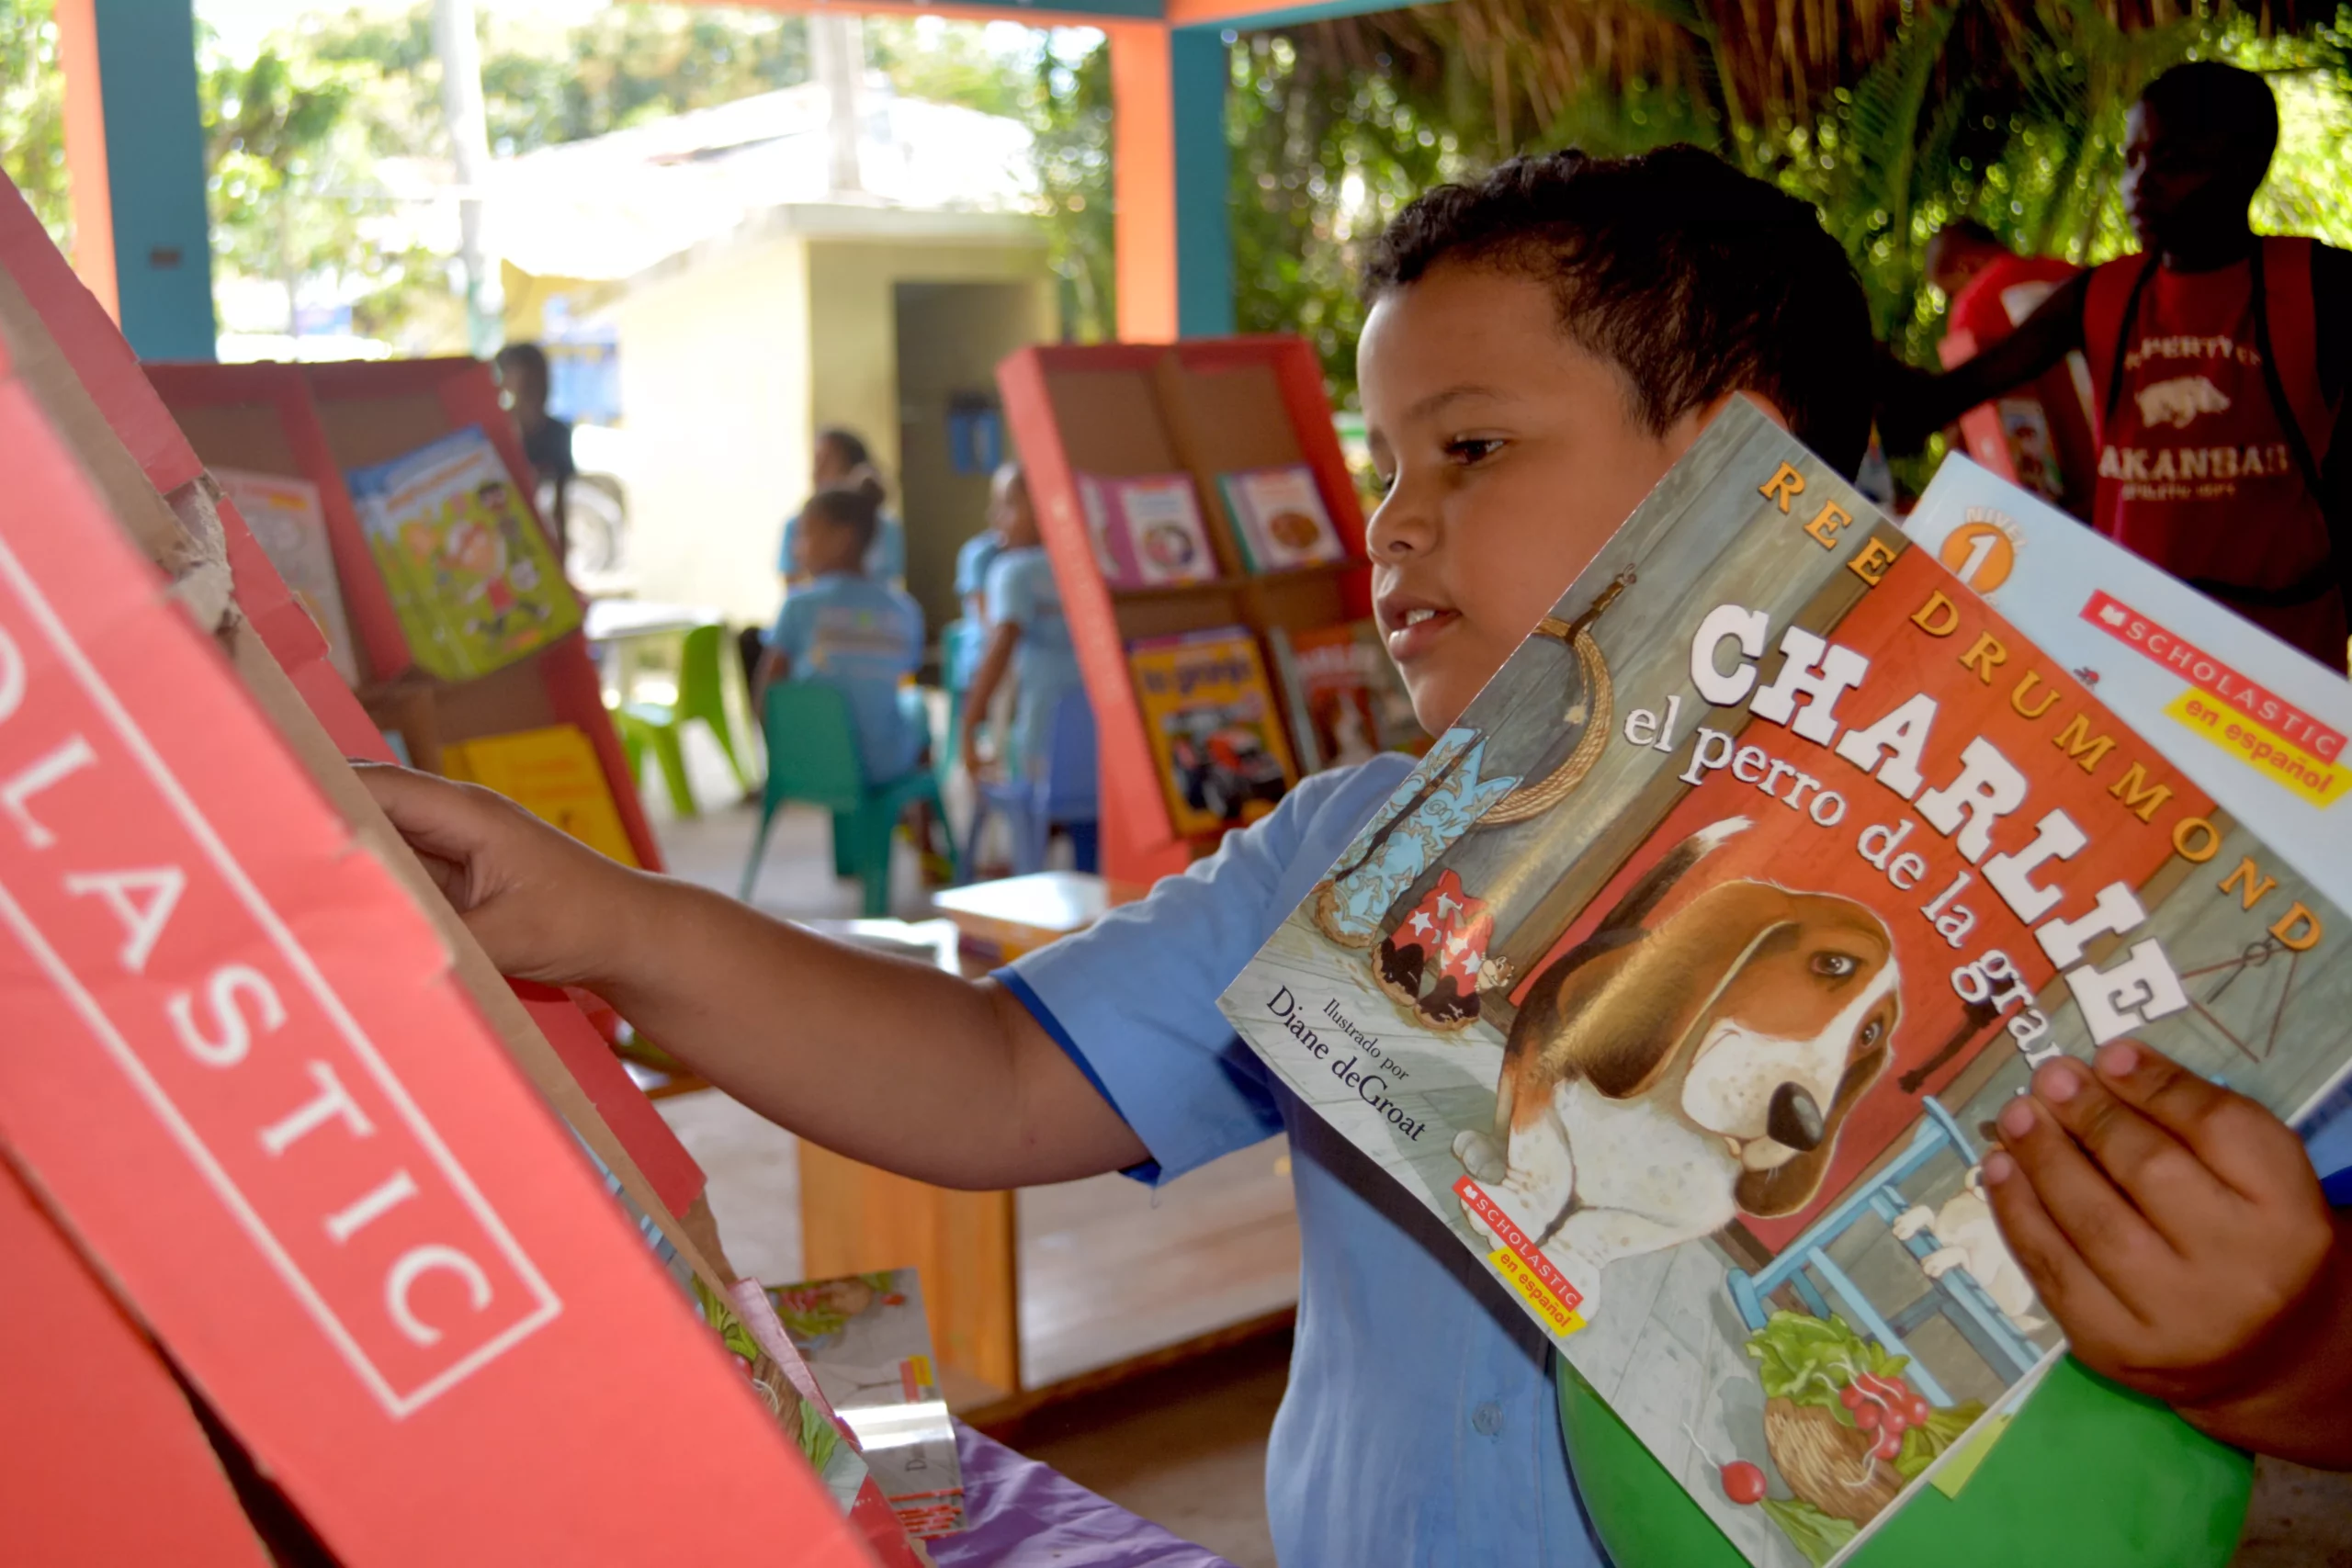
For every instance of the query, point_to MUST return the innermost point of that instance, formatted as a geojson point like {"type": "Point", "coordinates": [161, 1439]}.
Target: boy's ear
{"type": "Point", "coordinates": [1769, 409]}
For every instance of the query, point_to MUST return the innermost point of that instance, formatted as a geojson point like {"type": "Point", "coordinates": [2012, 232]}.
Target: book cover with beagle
{"type": "Point", "coordinates": [1682, 977]}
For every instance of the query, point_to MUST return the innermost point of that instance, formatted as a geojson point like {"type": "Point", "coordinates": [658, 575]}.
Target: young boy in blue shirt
{"type": "Point", "coordinates": [842, 628]}
{"type": "Point", "coordinates": [1541, 347]}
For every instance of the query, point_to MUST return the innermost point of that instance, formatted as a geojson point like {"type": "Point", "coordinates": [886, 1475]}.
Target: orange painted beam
{"type": "Point", "coordinates": [1143, 162]}
{"type": "Point", "coordinates": [87, 180]}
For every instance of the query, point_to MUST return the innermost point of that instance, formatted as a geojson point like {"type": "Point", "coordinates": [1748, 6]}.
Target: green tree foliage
{"type": "Point", "coordinates": [1893, 122]}
{"type": "Point", "coordinates": [1066, 102]}
{"type": "Point", "coordinates": [1322, 160]}
{"type": "Point", "coordinates": [32, 113]}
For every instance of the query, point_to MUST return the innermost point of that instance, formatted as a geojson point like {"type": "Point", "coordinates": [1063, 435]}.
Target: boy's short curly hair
{"type": "Point", "coordinates": [1690, 278]}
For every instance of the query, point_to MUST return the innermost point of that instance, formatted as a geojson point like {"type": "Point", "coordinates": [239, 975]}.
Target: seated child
{"type": "Point", "coordinates": [1541, 346]}
{"type": "Point", "coordinates": [842, 462]}
{"type": "Point", "coordinates": [850, 632]}
{"type": "Point", "coordinates": [1027, 635]}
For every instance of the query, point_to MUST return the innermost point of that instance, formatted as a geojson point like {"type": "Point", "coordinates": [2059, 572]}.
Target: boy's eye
{"type": "Point", "coordinates": [1468, 449]}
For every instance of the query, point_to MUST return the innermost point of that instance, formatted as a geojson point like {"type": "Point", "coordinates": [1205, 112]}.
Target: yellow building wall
{"type": "Point", "coordinates": [714, 376]}
{"type": "Point", "coordinates": [733, 357]}
{"type": "Point", "coordinates": [863, 375]}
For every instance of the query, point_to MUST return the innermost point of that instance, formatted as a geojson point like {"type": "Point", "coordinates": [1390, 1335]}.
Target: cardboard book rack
{"type": "Point", "coordinates": [1209, 407]}
{"type": "Point", "coordinates": [274, 1102]}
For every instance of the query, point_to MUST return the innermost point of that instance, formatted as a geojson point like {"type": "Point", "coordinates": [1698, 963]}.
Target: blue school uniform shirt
{"type": "Point", "coordinates": [886, 558]}
{"type": "Point", "coordinates": [1420, 1426]}
{"type": "Point", "coordinates": [1021, 591]}
{"type": "Point", "coordinates": [864, 640]}
{"type": "Point", "coordinates": [972, 562]}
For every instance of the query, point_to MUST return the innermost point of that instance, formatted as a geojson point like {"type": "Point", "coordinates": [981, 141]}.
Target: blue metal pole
{"type": "Point", "coordinates": [154, 132]}
{"type": "Point", "coordinates": [1198, 69]}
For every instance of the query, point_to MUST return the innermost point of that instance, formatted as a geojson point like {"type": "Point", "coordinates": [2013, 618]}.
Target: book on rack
{"type": "Point", "coordinates": [470, 573]}
{"type": "Point", "coordinates": [1146, 530]}
{"type": "Point", "coordinates": [1347, 702]}
{"type": "Point", "coordinates": [287, 521]}
{"type": "Point", "coordinates": [1279, 519]}
{"type": "Point", "coordinates": [1210, 717]}
{"type": "Point", "coordinates": [551, 773]}
{"type": "Point", "coordinates": [866, 1340]}
{"type": "Point", "coordinates": [1684, 976]}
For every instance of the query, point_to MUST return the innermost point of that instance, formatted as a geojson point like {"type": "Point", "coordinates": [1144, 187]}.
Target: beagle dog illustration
{"type": "Point", "coordinates": [1660, 1081]}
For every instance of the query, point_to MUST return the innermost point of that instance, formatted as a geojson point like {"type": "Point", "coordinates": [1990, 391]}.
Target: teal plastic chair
{"type": "Point", "coordinates": [2089, 1472]}
{"type": "Point", "coordinates": [657, 726]}
{"type": "Point", "coordinates": [812, 757]}
{"type": "Point", "coordinates": [961, 643]}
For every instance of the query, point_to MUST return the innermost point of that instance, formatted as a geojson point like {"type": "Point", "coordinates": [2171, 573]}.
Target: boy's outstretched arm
{"type": "Point", "coordinates": [2177, 1233]}
{"type": "Point", "coordinates": [882, 1059]}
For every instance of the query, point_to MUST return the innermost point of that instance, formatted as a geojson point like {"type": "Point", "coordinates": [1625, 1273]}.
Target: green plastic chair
{"type": "Point", "coordinates": [812, 757]}
{"type": "Point", "coordinates": [657, 726]}
{"type": "Point", "coordinates": [2087, 1474]}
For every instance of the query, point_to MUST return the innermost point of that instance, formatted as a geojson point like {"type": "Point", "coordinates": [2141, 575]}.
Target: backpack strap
{"type": "Point", "coordinates": [2108, 306]}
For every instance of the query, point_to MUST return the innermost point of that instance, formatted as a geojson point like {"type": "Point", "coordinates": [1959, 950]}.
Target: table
{"type": "Point", "coordinates": [1020, 1514]}
{"type": "Point", "coordinates": [1021, 914]}
{"type": "Point", "coordinates": [628, 635]}
{"type": "Point", "coordinates": [854, 1218]}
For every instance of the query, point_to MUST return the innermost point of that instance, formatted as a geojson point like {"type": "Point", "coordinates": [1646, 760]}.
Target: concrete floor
{"type": "Point", "coordinates": [1184, 1449]}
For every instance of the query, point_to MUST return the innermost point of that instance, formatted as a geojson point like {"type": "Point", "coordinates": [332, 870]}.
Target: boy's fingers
{"type": "Point", "coordinates": [2065, 1284]}
{"type": "Point", "coordinates": [2167, 1183]}
{"type": "Point", "coordinates": [436, 816]}
{"type": "Point", "coordinates": [2097, 1222]}
{"type": "Point", "coordinates": [2245, 1147]}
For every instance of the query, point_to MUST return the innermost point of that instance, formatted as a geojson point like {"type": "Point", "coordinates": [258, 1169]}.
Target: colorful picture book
{"type": "Point", "coordinates": [1146, 530]}
{"type": "Point", "coordinates": [1684, 977]}
{"type": "Point", "coordinates": [291, 530]}
{"type": "Point", "coordinates": [1279, 519]}
{"type": "Point", "coordinates": [1210, 716]}
{"type": "Point", "coordinates": [1347, 702]}
{"type": "Point", "coordinates": [553, 773]}
{"type": "Point", "coordinates": [865, 1338]}
{"type": "Point", "coordinates": [470, 573]}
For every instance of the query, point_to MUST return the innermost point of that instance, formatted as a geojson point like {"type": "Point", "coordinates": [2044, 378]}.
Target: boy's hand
{"type": "Point", "coordinates": [543, 905]}
{"type": "Point", "coordinates": [2177, 1233]}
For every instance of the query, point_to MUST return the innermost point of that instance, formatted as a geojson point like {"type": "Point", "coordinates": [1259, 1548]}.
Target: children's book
{"type": "Point", "coordinates": [554, 774]}
{"type": "Point", "coordinates": [1684, 977]}
{"type": "Point", "coordinates": [1347, 702]}
{"type": "Point", "coordinates": [472, 575]}
{"type": "Point", "coordinates": [865, 1338]}
{"type": "Point", "coordinates": [1146, 530]}
{"type": "Point", "coordinates": [1278, 518]}
{"type": "Point", "coordinates": [288, 524]}
{"type": "Point", "coordinates": [1211, 718]}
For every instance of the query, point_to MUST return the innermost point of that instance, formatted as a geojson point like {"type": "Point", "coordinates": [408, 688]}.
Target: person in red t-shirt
{"type": "Point", "coordinates": [2218, 360]}
{"type": "Point", "coordinates": [2039, 435]}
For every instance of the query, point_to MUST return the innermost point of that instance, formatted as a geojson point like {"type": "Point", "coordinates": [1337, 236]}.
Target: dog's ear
{"type": "Point", "coordinates": [1785, 1188]}
{"type": "Point", "coordinates": [1633, 1028]}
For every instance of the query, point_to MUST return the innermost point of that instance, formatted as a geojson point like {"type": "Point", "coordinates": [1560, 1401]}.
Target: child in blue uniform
{"type": "Point", "coordinates": [850, 632]}
{"type": "Point", "coordinates": [1028, 638]}
{"type": "Point", "coordinates": [1541, 347]}
{"type": "Point", "coordinates": [841, 461]}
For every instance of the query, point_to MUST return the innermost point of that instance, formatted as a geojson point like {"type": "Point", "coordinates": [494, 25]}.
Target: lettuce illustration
{"type": "Point", "coordinates": [1818, 1535]}
{"type": "Point", "coordinates": [1809, 1360]}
